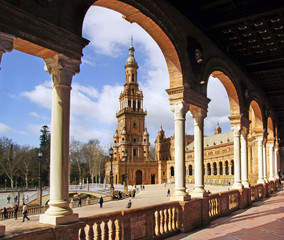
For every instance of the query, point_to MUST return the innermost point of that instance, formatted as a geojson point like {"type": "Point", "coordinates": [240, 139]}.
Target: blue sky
{"type": "Point", "coordinates": [25, 88]}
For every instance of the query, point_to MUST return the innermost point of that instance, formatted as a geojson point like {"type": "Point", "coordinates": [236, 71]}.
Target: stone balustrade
{"type": "Point", "coordinates": [158, 221]}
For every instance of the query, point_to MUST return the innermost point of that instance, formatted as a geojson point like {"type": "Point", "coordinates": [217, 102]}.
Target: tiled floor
{"type": "Point", "coordinates": [264, 220]}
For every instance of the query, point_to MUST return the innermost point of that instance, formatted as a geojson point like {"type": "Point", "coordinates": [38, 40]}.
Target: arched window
{"type": "Point", "coordinates": [132, 77]}
{"type": "Point", "coordinates": [132, 90]}
{"type": "Point", "coordinates": [190, 170]}
{"type": "Point", "coordinates": [172, 171]}
{"type": "Point", "coordinates": [134, 152]}
{"type": "Point", "coordinates": [134, 124]}
{"type": "Point", "coordinates": [134, 139]}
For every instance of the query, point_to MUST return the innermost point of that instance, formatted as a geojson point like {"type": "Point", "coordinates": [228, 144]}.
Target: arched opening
{"type": "Point", "coordinates": [226, 168]}
{"type": "Point", "coordinates": [152, 178]}
{"type": "Point", "coordinates": [255, 135]}
{"type": "Point", "coordinates": [190, 170]}
{"type": "Point", "coordinates": [208, 169]}
{"type": "Point", "coordinates": [172, 171]}
{"type": "Point", "coordinates": [138, 177]}
{"type": "Point", "coordinates": [232, 167]}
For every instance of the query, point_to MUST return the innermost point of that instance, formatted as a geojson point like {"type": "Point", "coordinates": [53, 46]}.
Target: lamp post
{"type": "Point", "coordinates": [111, 189]}
{"type": "Point", "coordinates": [39, 178]}
{"type": "Point", "coordinates": [125, 175]}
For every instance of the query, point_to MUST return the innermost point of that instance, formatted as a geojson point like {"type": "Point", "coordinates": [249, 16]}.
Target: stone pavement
{"type": "Point", "coordinates": [153, 194]}
{"type": "Point", "coordinates": [264, 220]}
{"type": "Point", "coordinates": [272, 210]}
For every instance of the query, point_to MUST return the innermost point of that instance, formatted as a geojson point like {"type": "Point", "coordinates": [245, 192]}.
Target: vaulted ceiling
{"type": "Point", "coordinates": [251, 33]}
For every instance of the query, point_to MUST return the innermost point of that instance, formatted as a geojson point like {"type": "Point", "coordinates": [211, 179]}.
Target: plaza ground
{"type": "Point", "coordinates": [264, 218]}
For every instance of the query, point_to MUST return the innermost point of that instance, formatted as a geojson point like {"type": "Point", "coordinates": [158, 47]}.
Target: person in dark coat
{"type": "Point", "coordinates": [101, 200]}
{"type": "Point", "coordinates": [5, 213]}
{"type": "Point", "coordinates": [129, 204]}
{"type": "Point", "coordinates": [15, 210]}
{"type": "Point", "coordinates": [80, 202]}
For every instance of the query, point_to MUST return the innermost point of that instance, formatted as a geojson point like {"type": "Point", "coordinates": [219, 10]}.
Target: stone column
{"type": "Point", "coordinates": [264, 162]}
{"type": "Point", "coordinates": [271, 162]}
{"type": "Point", "coordinates": [244, 158]}
{"type": "Point", "coordinates": [180, 193]}
{"type": "Point", "coordinates": [6, 44]}
{"type": "Point", "coordinates": [62, 69]}
{"type": "Point", "coordinates": [198, 116]}
{"type": "Point", "coordinates": [260, 160]}
{"type": "Point", "coordinates": [230, 169]}
{"type": "Point", "coordinates": [276, 163]}
{"type": "Point", "coordinates": [224, 169]}
{"type": "Point", "coordinates": [237, 160]}
{"type": "Point", "coordinates": [212, 171]}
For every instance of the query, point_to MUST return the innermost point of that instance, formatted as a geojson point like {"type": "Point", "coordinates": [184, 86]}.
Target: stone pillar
{"type": "Point", "coordinates": [264, 162]}
{"type": "Point", "coordinates": [198, 116]}
{"type": "Point", "coordinates": [237, 160]}
{"type": "Point", "coordinates": [271, 162]}
{"type": "Point", "coordinates": [276, 163]}
{"type": "Point", "coordinates": [224, 169]}
{"type": "Point", "coordinates": [62, 69]}
{"type": "Point", "coordinates": [260, 160]}
{"type": "Point", "coordinates": [230, 169]}
{"type": "Point", "coordinates": [205, 171]}
{"type": "Point", "coordinates": [244, 158]}
{"type": "Point", "coordinates": [131, 103]}
{"type": "Point", "coordinates": [218, 170]}
{"type": "Point", "coordinates": [180, 193]}
{"type": "Point", "coordinates": [6, 44]}
{"type": "Point", "coordinates": [136, 104]}
{"type": "Point", "coordinates": [212, 171]}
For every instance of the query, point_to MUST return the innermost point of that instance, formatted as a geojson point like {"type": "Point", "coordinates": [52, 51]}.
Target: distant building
{"type": "Point", "coordinates": [131, 135]}
{"type": "Point", "coordinates": [218, 157]}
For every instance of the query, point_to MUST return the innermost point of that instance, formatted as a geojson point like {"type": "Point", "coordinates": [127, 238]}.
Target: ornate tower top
{"type": "Point", "coordinates": [217, 130]}
{"type": "Point", "coordinates": [131, 62]}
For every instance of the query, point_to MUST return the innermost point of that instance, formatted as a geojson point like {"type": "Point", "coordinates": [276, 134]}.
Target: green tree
{"type": "Point", "coordinates": [45, 149]}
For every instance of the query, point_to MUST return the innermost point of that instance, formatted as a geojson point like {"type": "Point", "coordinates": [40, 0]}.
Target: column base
{"type": "Point", "coordinates": [260, 181]}
{"type": "Point", "coordinates": [265, 180]}
{"type": "Point", "coordinates": [199, 192]}
{"type": "Point", "coordinates": [2, 230]}
{"type": "Point", "coordinates": [58, 220]}
{"type": "Point", "coordinates": [237, 185]}
{"type": "Point", "coordinates": [246, 184]}
{"type": "Point", "coordinates": [271, 178]}
{"type": "Point", "coordinates": [180, 198]}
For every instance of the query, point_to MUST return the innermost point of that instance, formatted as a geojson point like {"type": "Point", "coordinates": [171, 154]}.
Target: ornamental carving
{"type": "Point", "coordinates": [6, 44]}
{"type": "Point", "coordinates": [62, 69]}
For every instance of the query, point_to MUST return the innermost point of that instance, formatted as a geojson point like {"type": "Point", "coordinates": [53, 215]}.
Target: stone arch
{"type": "Point", "coordinates": [214, 168]}
{"type": "Point", "coordinates": [133, 12]}
{"type": "Point", "coordinates": [255, 116]}
{"type": "Point", "coordinates": [217, 68]}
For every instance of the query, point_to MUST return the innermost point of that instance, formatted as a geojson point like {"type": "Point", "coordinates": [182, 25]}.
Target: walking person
{"type": "Point", "coordinates": [25, 212]}
{"type": "Point", "coordinates": [169, 192]}
{"type": "Point", "coordinates": [5, 213]}
{"type": "Point", "coordinates": [16, 208]}
{"type": "Point", "coordinates": [129, 204]}
{"type": "Point", "coordinates": [101, 200]}
{"type": "Point", "coordinates": [8, 199]}
{"type": "Point", "coordinates": [80, 202]}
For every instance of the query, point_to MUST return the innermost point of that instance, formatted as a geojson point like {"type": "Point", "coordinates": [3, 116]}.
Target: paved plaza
{"type": "Point", "coordinates": [263, 219]}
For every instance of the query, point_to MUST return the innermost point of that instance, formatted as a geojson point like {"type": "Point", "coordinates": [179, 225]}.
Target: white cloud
{"type": "Point", "coordinates": [5, 129]}
{"type": "Point", "coordinates": [40, 95]}
{"type": "Point", "coordinates": [36, 115]}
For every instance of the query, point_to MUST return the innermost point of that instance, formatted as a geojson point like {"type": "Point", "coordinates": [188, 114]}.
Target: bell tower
{"type": "Point", "coordinates": [131, 135]}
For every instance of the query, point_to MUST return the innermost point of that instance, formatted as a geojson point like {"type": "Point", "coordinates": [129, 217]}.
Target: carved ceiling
{"type": "Point", "coordinates": [251, 32]}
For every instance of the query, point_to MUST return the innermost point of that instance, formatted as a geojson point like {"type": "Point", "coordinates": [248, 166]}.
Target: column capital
{"type": "Point", "coordinates": [6, 43]}
{"type": "Point", "coordinates": [259, 140]}
{"type": "Point", "coordinates": [197, 112]}
{"type": "Point", "coordinates": [237, 130]}
{"type": "Point", "coordinates": [179, 108]}
{"type": "Point", "coordinates": [62, 69]}
{"type": "Point", "coordinates": [270, 145]}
